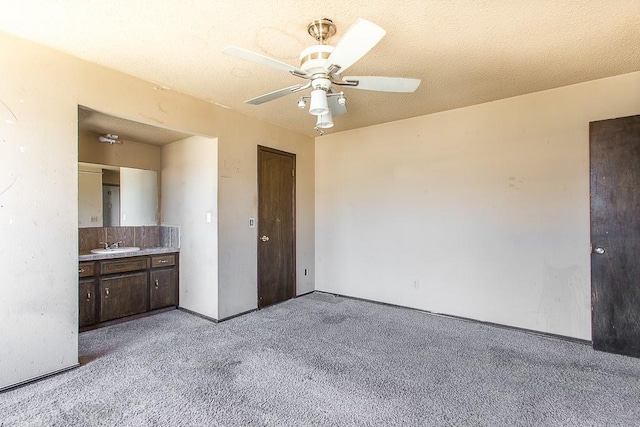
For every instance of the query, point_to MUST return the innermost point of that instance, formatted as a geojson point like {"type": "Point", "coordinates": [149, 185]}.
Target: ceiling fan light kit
{"type": "Point", "coordinates": [323, 66]}
{"type": "Point", "coordinates": [325, 121]}
{"type": "Point", "coordinates": [318, 105]}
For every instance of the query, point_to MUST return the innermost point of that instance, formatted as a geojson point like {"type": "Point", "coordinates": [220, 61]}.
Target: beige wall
{"type": "Point", "coordinates": [39, 192]}
{"type": "Point", "coordinates": [128, 154]}
{"type": "Point", "coordinates": [190, 183]}
{"type": "Point", "coordinates": [238, 201]}
{"type": "Point", "coordinates": [480, 212]}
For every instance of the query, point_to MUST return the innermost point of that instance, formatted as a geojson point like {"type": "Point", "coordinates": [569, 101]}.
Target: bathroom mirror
{"type": "Point", "coordinates": [112, 196]}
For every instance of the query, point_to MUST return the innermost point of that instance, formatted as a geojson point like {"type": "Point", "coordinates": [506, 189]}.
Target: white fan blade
{"type": "Point", "coordinates": [273, 95]}
{"type": "Point", "coordinates": [356, 42]}
{"type": "Point", "coordinates": [384, 84]}
{"type": "Point", "coordinates": [335, 107]}
{"type": "Point", "coordinates": [247, 55]}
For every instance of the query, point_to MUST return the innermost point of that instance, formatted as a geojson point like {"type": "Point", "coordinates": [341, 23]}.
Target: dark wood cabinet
{"type": "Point", "coordinates": [87, 302]}
{"type": "Point", "coordinates": [163, 284]}
{"type": "Point", "coordinates": [86, 294]}
{"type": "Point", "coordinates": [163, 288]}
{"type": "Point", "coordinates": [123, 296]}
{"type": "Point", "coordinates": [112, 290]}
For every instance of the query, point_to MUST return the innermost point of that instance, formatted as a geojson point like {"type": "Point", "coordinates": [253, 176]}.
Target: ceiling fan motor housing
{"type": "Point", "coordinates": [314, 58]}
{"type": "Point", "coordinates": [321, 83]}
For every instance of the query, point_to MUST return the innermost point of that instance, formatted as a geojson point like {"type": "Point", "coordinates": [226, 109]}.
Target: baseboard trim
{"type": "Point", "coordinates": [194, 313]}
{"type": "Point", "coordinates": [467, 319]}
{"type": "Point", "coordinates": [306, 293]}
{"type": "Point", "coordinates": [233, 316]}
{"type": "Point", "coordinates": [211, 319]}
{"type": "Point", "coordinates": [38, 378]}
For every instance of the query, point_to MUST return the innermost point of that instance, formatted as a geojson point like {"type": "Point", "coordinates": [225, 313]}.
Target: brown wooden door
{"type": "Point", "coordinates": [615, 235]}
{"type": "Point", "coordinates": [276, 226]}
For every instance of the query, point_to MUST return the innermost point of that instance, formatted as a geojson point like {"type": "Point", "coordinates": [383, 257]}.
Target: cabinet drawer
{"type": "Point", "coordinates": [86, 269]}
{"type": "Point", "coordinates": [123, 265]}
{"type": "Point", "coordinates": [163, 260]}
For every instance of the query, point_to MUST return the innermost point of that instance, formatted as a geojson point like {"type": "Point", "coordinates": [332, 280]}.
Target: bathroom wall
{"type": "Point", "coordinates": [129, 154]}
{"type": "Point", "coordinates": [90, 196]}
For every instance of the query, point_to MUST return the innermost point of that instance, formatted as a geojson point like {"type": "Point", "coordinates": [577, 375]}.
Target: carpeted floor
{"type": "Point", "coordinates": [321, 360]}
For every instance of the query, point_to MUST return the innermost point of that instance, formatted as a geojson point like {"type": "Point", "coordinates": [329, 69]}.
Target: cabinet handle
{"type": "Point", "coordinates": [88, 296]}
{"type": "Point", "coordinates": [162, 261]}
{"type": "Point", "coordinates": [80, 270]}
{"type": "Point", "coordinates": [106, 291]}
{"type": "Point", "coordinates": [156, 283]}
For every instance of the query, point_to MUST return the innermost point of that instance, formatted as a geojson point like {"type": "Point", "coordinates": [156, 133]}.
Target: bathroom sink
{"type": "Point", "coordinates": [121, 249]}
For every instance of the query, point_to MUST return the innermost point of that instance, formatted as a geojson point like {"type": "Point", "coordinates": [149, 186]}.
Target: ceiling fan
{"type": "Point", "coordinates": [323, 66]}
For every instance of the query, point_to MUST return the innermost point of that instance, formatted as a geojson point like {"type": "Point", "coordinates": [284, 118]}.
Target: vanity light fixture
{"type": "Point", "coordinates": [110, 138]}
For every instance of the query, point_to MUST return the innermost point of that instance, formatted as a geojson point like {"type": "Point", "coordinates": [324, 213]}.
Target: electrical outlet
{"type": "Point", "coordinates": [416, 284]}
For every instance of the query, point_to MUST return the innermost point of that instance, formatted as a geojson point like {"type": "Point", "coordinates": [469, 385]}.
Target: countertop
{"type": "Point", "coordinates": [88, 256]}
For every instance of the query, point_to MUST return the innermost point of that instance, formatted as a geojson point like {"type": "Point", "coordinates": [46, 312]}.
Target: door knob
{"type": "Point", "coordinates": [598, 250]}
{"type": "Point", "coordinates": [264, 238]}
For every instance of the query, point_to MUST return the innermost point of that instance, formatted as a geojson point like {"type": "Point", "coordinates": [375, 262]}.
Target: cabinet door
{"type": "Point", "coordinates": [163, 288]}
{"type": "Point", "coordinates": [87, 303]}
{"type": "Point", "coordinates": [122, 296]}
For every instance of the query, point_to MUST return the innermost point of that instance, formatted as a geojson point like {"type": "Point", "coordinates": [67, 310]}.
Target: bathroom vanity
{"type": "Point", "coordinates": [121, 286]}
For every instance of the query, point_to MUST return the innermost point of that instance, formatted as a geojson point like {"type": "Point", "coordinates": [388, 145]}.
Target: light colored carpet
{"type": "Point", "coordinates": [321, 360]}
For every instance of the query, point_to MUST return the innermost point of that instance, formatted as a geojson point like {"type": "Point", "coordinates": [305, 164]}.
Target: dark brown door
{"type": "Point", "coordinates": [615, 235]}
{"type": "Point", "coordinates": [276, 226]}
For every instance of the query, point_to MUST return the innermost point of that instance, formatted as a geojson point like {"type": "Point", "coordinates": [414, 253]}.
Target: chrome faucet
{"type": "Point", "coordinates": [114, 245]}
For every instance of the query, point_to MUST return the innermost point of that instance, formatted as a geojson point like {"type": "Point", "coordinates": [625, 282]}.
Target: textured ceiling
{"type": "Point", "coordinates": [465, 52]}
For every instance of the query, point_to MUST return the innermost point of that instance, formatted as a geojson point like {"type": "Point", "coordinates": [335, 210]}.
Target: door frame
{"type": "Point", "coordinates": [260, 149]}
